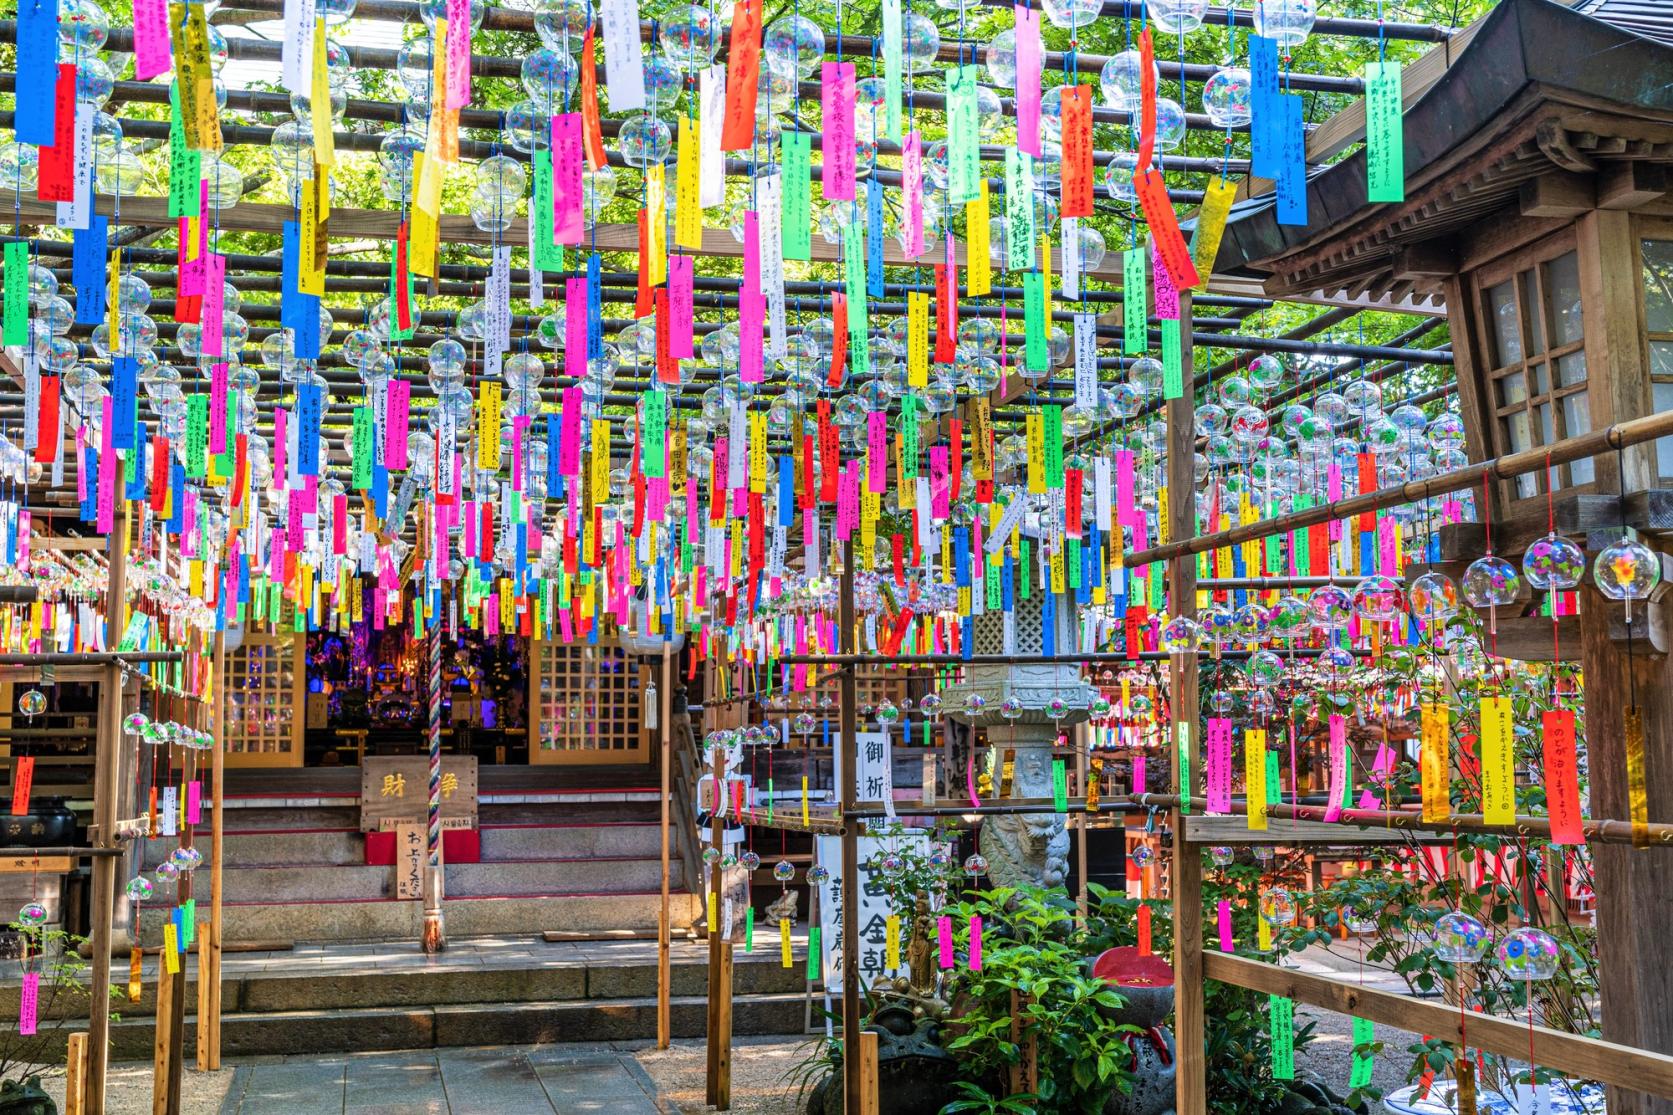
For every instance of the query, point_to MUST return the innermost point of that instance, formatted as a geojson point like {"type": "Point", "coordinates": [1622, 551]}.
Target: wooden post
{"type": "Point", "coordinates": [209, 959]}
{"type": "Point", "coordinates": [433, 938]}
{"type": "Point", "coordinates": [1190, 1082]}
{"type": "Point", "coordinates": [722, 1100]}
{"type": "Point", "coordinates": [164, 1041]}
{"type": "Point", "coordinates": [106, 780]}
{"type": "Point", "coordinates": [869, 1102]}
{"type": "Point", "coordinates": [720, 957]}
{"type": "Point", "coordinates": [664, 967]}
{"type": "Point", "coordinates": [1082, 773]}
{"type": "Point", "coordinates": [1634, 887]}
{"type": "Point", "coordinates": [75, 1075]}
{"type": "Point", "coordinates": [853, 1086]}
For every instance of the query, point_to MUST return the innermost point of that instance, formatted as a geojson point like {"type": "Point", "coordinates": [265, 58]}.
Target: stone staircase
{"type": "Point", "coordinates": [297, 872]}
{"type": "Point", "coordinates": [346, 998]}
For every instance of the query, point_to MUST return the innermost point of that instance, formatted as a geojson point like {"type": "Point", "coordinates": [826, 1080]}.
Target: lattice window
{"type": "Point", "coordinates": [264, 697]}
{"type": "Point", "coordinates": [589, 703]}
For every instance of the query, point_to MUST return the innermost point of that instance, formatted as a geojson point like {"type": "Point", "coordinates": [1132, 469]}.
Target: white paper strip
{"type": "Point", "coordinates": [1086, 362]}
{"type": "Point", "coordinates": [1101, 491]}
{"type": "Point", "coordinates": [624, 62]}
{"type": "Point", "coordinates": [711, 168]}
{"type": "Point", "coordinates": [77, 212]}
{"type": "Point", "coordinates": [1071, 257]}
{"type": "Point", "coordinates": [1001, 535]}
{"type": "Point", "coordinates": [769, 200]}
{"type": "Point", "coordinates": [296, 50]}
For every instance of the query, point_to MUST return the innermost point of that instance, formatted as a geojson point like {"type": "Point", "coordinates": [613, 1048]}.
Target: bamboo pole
{"type": "Point", "coordinates": [664, 966]}
{"type": "Point", "coordinates": [853, 1084]}
{"type": "Point", "coordinates": [106, 780]}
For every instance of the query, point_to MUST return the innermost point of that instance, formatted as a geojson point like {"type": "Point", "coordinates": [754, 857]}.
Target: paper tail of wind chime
{"type": "Point", "coordinates": [434, 935]}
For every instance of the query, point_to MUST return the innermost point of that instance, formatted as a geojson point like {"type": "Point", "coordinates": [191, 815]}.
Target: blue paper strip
{"type": "Point", "coordinates": [36, 119]}
{"type": "Point", "coordinates": [124, 400]}
{"type": "Point", "coordinates": [1265, 136]}
{"type": "Point", "coordinates": [874, 237]}
{"type": "Point", "coordinates": [1292, 173]}
{"type": "Point", "coordinates": [87, 271]}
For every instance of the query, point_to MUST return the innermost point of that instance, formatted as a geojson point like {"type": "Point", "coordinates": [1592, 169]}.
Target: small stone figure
{"type": "Point", "coordinates": [782, 908]}
{"type": "Point", "coordinates": [919, 958]}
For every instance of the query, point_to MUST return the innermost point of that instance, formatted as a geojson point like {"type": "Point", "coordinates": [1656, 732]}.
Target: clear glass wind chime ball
{"type": "Point", "coordinates": [1627, 570]}
{"type": "Point", "coordinates": [1491, 581]}
{"type": "Point", "coordinates": [139, 889]}
{"type": "Point", "coordinates": [1554, 563]}
{"type": "Point", "coordinates": [784, 871]}
{"type": "Point", "coordinates": [32, 914]}
{"type": "Point", "coordinates": [1460, 938]}
{"type": "Point", "coordinates": [1529, 954]}
{"type": "Point", "coordinates": [1175, 17]}
{"type": "Point", "coordinates": [975, 865]}
{"type": "Point", "coordinates": [1228, 97]}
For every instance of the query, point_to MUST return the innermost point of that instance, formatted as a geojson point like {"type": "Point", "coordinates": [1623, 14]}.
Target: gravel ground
{"type": "Point", "coordinates": [1330, 1053]}
{"type": "Point", "coordinates": [761, 1069]}
{"type": "Point", "coordinates": [130, 1089]}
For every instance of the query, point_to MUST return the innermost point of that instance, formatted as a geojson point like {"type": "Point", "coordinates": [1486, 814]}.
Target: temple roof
{"type": "Point", "coordinates": [1539, 88]}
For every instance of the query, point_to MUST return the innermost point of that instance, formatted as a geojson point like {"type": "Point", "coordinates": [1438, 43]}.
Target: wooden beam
{"type": "Point", "coordinates": [1630, 185]}
{"type": "Point", "coordinates": [1561, 193]}
{"type": "Point", "coordinates": [1279, 830]}
{"type": "Point", "coordinates": [1639, 1070]}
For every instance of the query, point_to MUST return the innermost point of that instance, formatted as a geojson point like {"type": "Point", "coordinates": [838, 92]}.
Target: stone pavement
{"type": "Point", "coordinates": [563, 1080]}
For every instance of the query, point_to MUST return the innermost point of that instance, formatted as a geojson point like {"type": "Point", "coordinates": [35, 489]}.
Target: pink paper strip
{"type": "Point", "coordinates": [1373, 799]}
{"type": "Point", "coordinates": [194, 802]}
{"type": "Point", "coordinates": [396, 418]}
{"type": "Point", "coordinates": [107, 475]}
{"type": "Point", "coordinates": [281, 442]}
{"type": "Point", "coordinates": [752, 307]}
{"type": "Point", "coordinates": [944, 930]}
{"type": "Point", "coordinates": [877, 452]}
{"type": "Point", "coordinates": [214, 296]}
{"type": "Point", "coordinates": [218, 407]}
{"type": "Point", "coordinates": [458, 53]}
{"type": "Point", "coordinates": [1167, 295]}
{"type": "Point", "coordinates": [572, 432]}
{"type": "Point", "coordinates": [576, 293]}
{"type": "Point", "coordinates": [975, 942]}
{"type": "Point", "coordinates": [912, 178]}
{"type": "Point", "coordinates": [1030, 59]}
{"type": "Point", "coordinates": [1225, 919]}
{"type": "Point", "coordinates": [1219, 764]}
{"type": "Point", "coordinates": [1338, 766]}
{"type": "Point", "coordinates": [1138, 775]}
{"type": "Point", "coordinates": [837, 96]}
{"type": "Point", "coordinates": [152, 53]}
{"type": "Point", "coordinates": [568, 221]}
{"type": "Point", "coordinates": [29, 1003]}
{"type": "Point", "coordinates": [681, 311]}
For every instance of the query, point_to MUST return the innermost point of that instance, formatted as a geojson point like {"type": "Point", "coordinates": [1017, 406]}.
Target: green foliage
{"type": "Point", "coordinates": [978, 1101]}
{"type": "Point", "coordinates": [1032, 948]}
{"type": "Point", "coordinates": [65, 993]}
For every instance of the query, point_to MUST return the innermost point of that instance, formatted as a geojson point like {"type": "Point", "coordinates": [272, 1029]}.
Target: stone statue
{"type": "Point", "coordinates": [1025, 850]}
{"type": "Point", "coordinates": [920, 960]}
{"type": "Point", "coordinates": [1022, 849]}
{"type": "Point", "coordinates": [782, 908]}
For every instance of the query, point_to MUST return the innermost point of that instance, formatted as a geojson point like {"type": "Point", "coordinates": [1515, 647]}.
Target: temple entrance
{"type": "Point", "coordinates": [326, 699]}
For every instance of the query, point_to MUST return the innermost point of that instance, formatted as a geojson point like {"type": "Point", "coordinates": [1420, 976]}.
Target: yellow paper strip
{"type": "Point", "coordinates": [1638, 798]}
{"type": "Point", "coordinates": [688, 206]}
{"type": "Point", "coordinates": [891, 942]}
{"type": "Point", "coordinates": [171, 948]}
{"type": "Point", "coordinates": [917, 339]}
{"type": "Point", "coordinates": [1498, 771]}
{"type": "Point", "coordinates": [1254, 777]}
{"type": "Point", "coordinates": [319, 98]}
{"type": "Point", "coordinates": [1211, 226]}
{"type": "Point", "coordinates": [977, 263]}
{"type": "Point", "coordinates": [784, 941]}
{"type": "Point", "coordinates": [1435, 762]}
{"type": "Point", "coordinates": [656, 206]}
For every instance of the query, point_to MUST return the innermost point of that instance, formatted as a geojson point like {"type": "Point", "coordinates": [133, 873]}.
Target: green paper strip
{"type": "Point", "coordinates": [1052, 418]}
{"type": "Point", "coordinates": [909, 431]}
{"type": "Point", "coordinates": [17, 293]}
{"type": "Point", "coordinates": [1274, 784]}
{"type": "Point", "coordinates": [1173, 374]}
{"type": "Point", "coordinates": [893, 71]}
{"type": "Point", "coordinates": [1385, 133]}
{"type": "Point", "coordinates": [854, 274]}
{"type": "Point", "coordinates": [652, 455]}
{"type": "Point", "coordinates": [185, 166]}
{"type": "Point", "coordinates": [815, 961]}
{"type": "Point", "coordinates": [797, 213]}
{"type": "Point", "coordinates": [1019, 210]}
{"type": "Point", "coordinates": [1059, 786]}
{"type": "Point", "coordinates": [1182, 736]}
{"type": "Point", "coordinates": [1281, 1022]}
{"type": "Point", "coordinates": [547, 255]}
{"type": "Point", "coordinates": [1037, 346]}
{"type": "Point", "coordinates": [964, 157]}
{"type": "Point", "coordinates": [1025, 571]}
{"type": "Point", "coordinates": [1135, 303]}
{"type": "Point", "coordinates": [1071, 559]}
{"type": "Point", "coordinates": [1364, 1062]}
{"type": "Point", "coordinates": [362, 478]}
{"type": "Point", "coordinates": [749, 929]}
{"type": "Point", "coordinates": [992, 584]}
{"type": "Point", "coordinates": [197, 436]}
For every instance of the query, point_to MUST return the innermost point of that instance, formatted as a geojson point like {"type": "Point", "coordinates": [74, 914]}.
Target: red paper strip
{"type": "Point", "coordinates": [839, 345]}
{"type": "Point", "coordinates": [1147, 101]}
{"type": "Point", "coordinates": [643, 304]}
{"type": "Point", "coordinates": [1144, 928]}
{"type": "Point", "coordinates": [403, 281]}
{"type": "Point", "coordinates": [743, 73]}
{"type": "Point", "coordinates": [23, 777]}
{"type": "Point", "coordinates": [56, 170]}
{"type": "Point", "coordinates": [592, 131]}
{"type": "Point", "coordinates": [159, 473]}
{"type": "Point", "coordinates": [1077, 150]}
{"type": "Point", "coordinates": [1164, 229]}
{"type": "Point", "coordinates": [1562, 783]}
{"type": "Point", "coordinates": [46, 420]}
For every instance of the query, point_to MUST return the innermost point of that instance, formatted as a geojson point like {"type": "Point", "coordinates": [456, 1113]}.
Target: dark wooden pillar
{"type": "Point", "coordinates": [1634, 887]}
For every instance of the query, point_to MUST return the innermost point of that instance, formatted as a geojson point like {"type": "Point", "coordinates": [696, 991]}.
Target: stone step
{"type": "Point", "coordinates": [311, 882]}
{"type": "Point", "coordinates": [347, 846]}
{"type": "Point", "coordinates": [427, 1027]}
{"type": "Point", "coordinates": [294, 983]}
{"type": "Point", "coordinates": [392, 920]}
{"type": "Point", "coordinates": [245, 814]}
